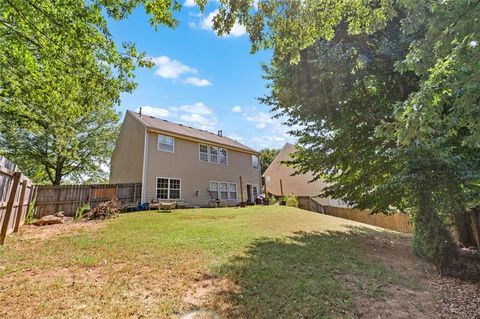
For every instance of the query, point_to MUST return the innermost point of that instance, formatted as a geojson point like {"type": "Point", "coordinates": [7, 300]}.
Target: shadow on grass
{"type": "Point", "coordinates": [307, 275]}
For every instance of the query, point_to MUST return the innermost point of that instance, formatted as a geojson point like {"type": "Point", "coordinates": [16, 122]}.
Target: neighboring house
{"type": "Point", "coordinates": [279, 177]}
{"type": "Point", "coordinates": [178, 162]}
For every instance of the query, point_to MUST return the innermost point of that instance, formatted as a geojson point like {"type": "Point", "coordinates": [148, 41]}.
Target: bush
{"type": "Point", "coordinates": [82, 210]}
{"type": "Point", "coordinates": [291, 200]}
{"type": "Point", "coordinates": [30, 214]}
{"type": "Point", "coordinates": [272, 199]}
{"type": "Point", "coordinates": [431, 239]}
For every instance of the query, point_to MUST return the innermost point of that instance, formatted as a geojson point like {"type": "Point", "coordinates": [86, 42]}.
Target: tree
{"type": "Point", "coordinates": [60, 76]}
{"type": "Point", "coordinates": [267, 155]}
{"type": "Point", "coordinates": [391, 124]}
{"type": "Point", "coordinates": [72, 148]}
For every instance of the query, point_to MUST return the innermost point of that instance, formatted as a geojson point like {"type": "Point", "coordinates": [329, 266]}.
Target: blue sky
{"type": "Point", "coordinates": [201, 79]}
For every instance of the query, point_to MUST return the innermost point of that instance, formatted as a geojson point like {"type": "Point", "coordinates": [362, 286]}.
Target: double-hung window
{"type": "Point", "coordinates": [203, 153]}
{"type": "Point", "coordinates": [222, 156]}
{"type": "Point", "coordinates": [166, 143]}
{"type": "Point", "coordinates": [213, 154]}
{"type": "Point", "coordinates": [232, 190]}
{"type": "Point", "coordinates": [223, 190]}
{"type": "Point", "coordinates": [255, 162]}
{"type": "Point", "coordinates": [168, 188]}
{"type": "Point", "coordinates": [214, 190]}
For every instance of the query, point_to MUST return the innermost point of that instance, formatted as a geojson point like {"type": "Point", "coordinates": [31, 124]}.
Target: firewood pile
{"type": "Point", "coordinates": [104, 210]}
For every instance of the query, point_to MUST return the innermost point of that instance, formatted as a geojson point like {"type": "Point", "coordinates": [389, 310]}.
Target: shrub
{"type": "Point", "coordinates": [272, 199]}
{"type": "Point", "coordinates": [291, 200]}
{"type": "Point", "coordinates": [431, 239]}
{"type": "Point", "coordinates": [30, 216]}
{"type": "Point", "coordinates": [82, 210]}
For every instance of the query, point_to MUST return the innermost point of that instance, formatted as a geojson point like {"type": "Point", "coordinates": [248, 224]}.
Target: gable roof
{"type": "Point", "coordinates": [180, 130]}
{"type": "Point", "coordinates": [299, 185]}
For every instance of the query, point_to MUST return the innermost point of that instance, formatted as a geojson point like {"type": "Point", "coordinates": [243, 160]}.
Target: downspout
{"type": "Point", "coordinates": [144, 170]}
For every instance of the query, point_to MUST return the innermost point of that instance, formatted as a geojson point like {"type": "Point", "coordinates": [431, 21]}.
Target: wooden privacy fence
{"type": "Point", "coordinates": [16, 195]}
{"type": "Point", "coordinates": [398, 222]}
{"type": "Point", "coordinates": [68, 198]}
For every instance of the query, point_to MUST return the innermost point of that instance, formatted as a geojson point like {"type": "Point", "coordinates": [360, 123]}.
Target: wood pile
{"type": "Point", "coordinates": [104, 210]}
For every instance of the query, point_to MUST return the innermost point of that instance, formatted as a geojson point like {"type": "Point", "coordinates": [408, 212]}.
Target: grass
{"type": "Point", "coordinates": [283, 261]}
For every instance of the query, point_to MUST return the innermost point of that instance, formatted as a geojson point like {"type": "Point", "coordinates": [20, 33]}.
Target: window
{"type": "Point", "coordinates": [213, 154]}
{"type": "Point", "coordinates": [168, 188]}
{"type": "Point", "coordinates": [214, 190]}
{"type": "Point", "coordinates": [223, 190]}
{"type": "Point", "coordinates": [203, 153]}
{"type": "Point", "coordinates": [254, 161]}
{"type": "Point", "coordinates": [232, 190]}
{"type": "Point", "coordinates": [223, 156]}
{"type": "Point", "coordinates": [165, 143]}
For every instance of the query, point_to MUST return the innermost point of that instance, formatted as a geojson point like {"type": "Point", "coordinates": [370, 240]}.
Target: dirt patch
{"type": "Point", "coordinates": [31, 232]}
{"type": "Point", "coordinates": [204, 292]}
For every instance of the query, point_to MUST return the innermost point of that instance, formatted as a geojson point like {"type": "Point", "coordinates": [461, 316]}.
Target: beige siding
{"type": "Point", "coordinates": [195, 175]}
{"type": "Point", "coordinates": [126, 165]}
{"type": "Point", "coordinates": [298, 184]}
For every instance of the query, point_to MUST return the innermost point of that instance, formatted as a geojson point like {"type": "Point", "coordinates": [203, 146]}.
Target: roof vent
{"type": "Point", "coordinates": [140, 112]}
{"type": "Point", "coordinates": [220, 133]}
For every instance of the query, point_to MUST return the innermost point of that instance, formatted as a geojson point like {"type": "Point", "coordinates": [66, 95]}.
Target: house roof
{"type": "Point", "coordinates": [156, 124]}
{"type": "Point", "coordinates": [299, 185]}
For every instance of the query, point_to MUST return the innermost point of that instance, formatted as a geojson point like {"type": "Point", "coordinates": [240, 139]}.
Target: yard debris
{"type": "Point", "coordinates": [48, 220]}
{"type": "Point", "coordinates": [59, 214]}
{"type": "Point", "coordinates": [104, 210]}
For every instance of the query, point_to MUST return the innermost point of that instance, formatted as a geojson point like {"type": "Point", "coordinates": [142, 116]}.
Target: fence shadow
{"type": "Point", "coordinates": [307, 275]}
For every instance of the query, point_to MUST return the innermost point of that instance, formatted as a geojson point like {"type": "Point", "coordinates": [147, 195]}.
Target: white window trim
{"type": "Point", "coordinates": [158, 143]}
{"type": "Point", "coordinates": [228, 189]}
{"type": "Point", "coordinates": [169, 178]}
{"type": "Point", "coordinates": [209, 153]}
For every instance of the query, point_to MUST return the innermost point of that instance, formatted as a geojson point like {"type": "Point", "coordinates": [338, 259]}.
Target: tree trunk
{"type": "Point", "coordinates": [463, 230]}
{"type": "Point", "coordinates": [475, 225]}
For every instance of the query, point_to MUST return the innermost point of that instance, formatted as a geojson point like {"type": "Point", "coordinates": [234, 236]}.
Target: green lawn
{"type": "Point", "coordinates": [267, 262]}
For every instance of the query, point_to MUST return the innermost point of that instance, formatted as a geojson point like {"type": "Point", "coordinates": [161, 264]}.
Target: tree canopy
{"type": "Point", "coordinates": [267, 155]}
{"type": "Point", "coordinates": [387, 96]}
{"type": "Point", "coordinates": [60, 76]}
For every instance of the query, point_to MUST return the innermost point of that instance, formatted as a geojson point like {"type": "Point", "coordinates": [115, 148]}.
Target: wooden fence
{"type": "Point", "coordinates": [398, 222]}
{"type": "Point", "coordinates": [68, 198]}
{"type": "Point", "coordinates": [16, 195]}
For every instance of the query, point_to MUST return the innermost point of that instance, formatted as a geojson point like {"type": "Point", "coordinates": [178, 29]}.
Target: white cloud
{"type": "Point", "coordinates": [197, 82]}
{"type": "Point", "coordinates": [169, 68]}
{"type": "Point", "coordinates": [237, 109]}
{"type": "Point", "coordinates": [207, 24]}
{"type": "Point", "coordinates": [199, 121]}
{"type": "Point", "coordinates": [261, 125]}
{"type": "Point", "coordinates": [189, 3]}
{"type": "Point", "coordinates": [154, 111]}
{"type": "Point", "coordinates": [260, 117]}
{"type": "Point", "coordinates": [269, 141]}
{"type": "Point", "coordinates": [236, 137]}
{"type": "Point", "coordinates": [197, 108]}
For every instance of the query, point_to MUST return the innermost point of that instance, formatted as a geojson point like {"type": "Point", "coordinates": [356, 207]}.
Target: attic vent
{"type": "Point", "coordinates": [220, 133]}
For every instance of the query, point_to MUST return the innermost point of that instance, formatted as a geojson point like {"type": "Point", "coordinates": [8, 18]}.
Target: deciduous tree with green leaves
{"type": "Point", "coordinates": [387, 96]}
{"type": "Point", "coordinates": [60, 76]}
{"type": "Point", "coordinates": [267, 155]}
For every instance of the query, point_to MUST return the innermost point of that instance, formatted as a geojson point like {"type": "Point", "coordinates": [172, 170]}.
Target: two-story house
{"type": "Point", "coordinates": [175, 161]}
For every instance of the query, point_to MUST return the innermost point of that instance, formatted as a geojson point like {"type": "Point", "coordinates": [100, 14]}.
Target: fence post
{"type": "Point", "coordinates": [20, 207]}
{"type": "Point", "coordinates": [8, 211]}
